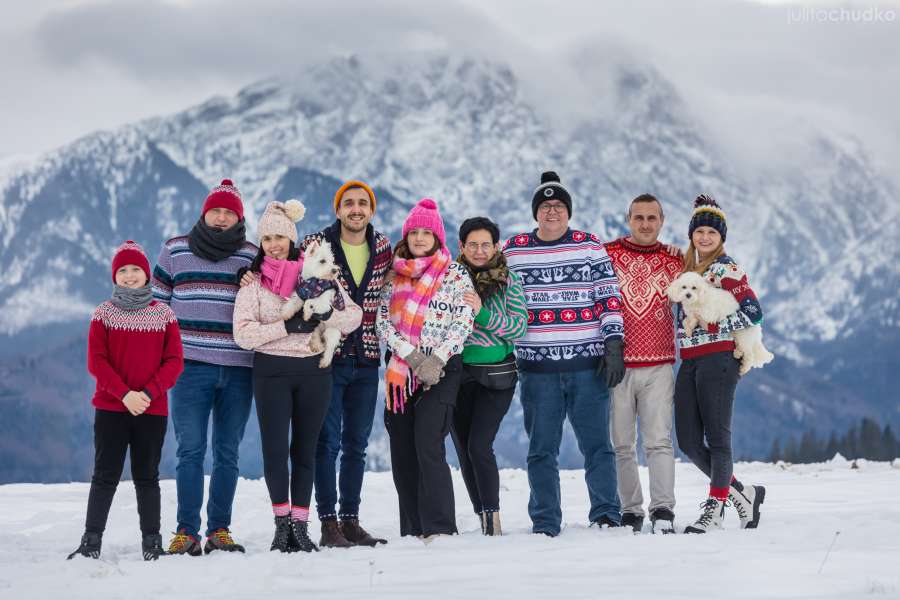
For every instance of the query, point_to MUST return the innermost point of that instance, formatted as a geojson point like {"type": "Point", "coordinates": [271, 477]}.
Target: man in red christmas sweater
{"type": "Point", "coordinates": [645, 268]}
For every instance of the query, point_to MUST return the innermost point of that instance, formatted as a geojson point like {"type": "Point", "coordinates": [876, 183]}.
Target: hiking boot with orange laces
{"type": "Point", "coordinates": [221, 539]}
{"type": "Point", "coordinates": [185, 543]}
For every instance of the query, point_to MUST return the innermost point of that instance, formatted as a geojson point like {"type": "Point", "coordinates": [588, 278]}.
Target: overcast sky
{"type": "Point", "coordinates": [70, 67]}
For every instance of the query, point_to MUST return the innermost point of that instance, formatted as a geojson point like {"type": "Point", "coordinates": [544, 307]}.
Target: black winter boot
{"type": "Point", "coordinates": [151, 546]}
{"type": "Point", "coordinates": [89, 547]}
{"type": "Point", "coordinates": [282, 539]}
{"type": "Point", "coordinates": [300, 537]}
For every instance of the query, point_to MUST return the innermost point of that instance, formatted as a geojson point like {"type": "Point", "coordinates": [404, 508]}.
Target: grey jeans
{"type": "Point", "coordinates": [644, 396]}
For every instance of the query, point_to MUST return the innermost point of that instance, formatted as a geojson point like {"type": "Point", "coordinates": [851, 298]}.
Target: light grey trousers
{"type": "Point", "coordinates": [644, 396]}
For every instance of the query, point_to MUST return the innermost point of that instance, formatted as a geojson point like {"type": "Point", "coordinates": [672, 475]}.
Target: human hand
{"type": "Point", "coordinates": [136, 402]}
{"type": "Point", "coordinates": [247, 278]}
{"type": "Point", "coordinates": [473, 300]}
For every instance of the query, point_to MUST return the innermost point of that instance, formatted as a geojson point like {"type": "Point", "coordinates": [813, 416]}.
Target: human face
{"type": "Point", "coordinates": [420, 241]}
{"type": "Point", "coordinates": [276, 246]}
{"type": "Point", "coordinates": [479, 247]}
{"type": "Point", "coordinates": [645, 221]}
{"type": "Point", "coordinates": [131, 276]}
{"type": "Point", "coordinates": [706, 240]}
{"type": "Point", "coordinates": [355, 210]}
{"type": "Point", "coordinates": [553, 219]}
{"type": "Point", "coordinates": [221, 218]}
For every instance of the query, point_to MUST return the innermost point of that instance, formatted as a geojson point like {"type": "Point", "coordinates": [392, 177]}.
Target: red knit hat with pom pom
{"type": "Point", "coordinates": [130, 253]}
{"type": "Point", "coordinates": [425, 215]}
{"type": "Point", "coordinates": [224, 195]}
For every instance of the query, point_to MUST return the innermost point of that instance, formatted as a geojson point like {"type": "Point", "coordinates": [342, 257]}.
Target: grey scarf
{"type": "Point", "coordinates": [131, 298]}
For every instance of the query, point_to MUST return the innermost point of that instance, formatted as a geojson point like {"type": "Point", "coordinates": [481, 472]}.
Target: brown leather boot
{"type": "Point", "coordinates": [354, 532]}
{"type": "Point", "coordinates": [332, 536]}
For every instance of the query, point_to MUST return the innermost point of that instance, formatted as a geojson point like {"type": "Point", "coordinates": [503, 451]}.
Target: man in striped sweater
{"type": "Point", "coordinates": [196, 275]}
{"type": "Point", "coordinates": [570, 355]}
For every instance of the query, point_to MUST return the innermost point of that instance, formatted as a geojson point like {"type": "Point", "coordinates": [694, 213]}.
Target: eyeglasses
{"type": "Point", "coordinates": [546, 207]}
{"type": "Point", "coordinates": [484, 247]}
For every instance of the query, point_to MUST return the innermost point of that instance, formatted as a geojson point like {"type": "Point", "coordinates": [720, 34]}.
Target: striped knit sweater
{"type": "Point", "coordinates": [502, 320]}
{"type": "Point", "coordinates": [201, 293]}
{"type": "Point", "coordinates": [718, 337]}
{"type": "Point", "coordinates": [364, 340]}
{"type": "Point", "coordinates": [573, 300]}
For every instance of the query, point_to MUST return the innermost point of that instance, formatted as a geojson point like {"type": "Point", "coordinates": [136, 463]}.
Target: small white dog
{"type": "Point", "coordinates": [704, 303]}
{"type": "Point", "coordinates": [317, 293]}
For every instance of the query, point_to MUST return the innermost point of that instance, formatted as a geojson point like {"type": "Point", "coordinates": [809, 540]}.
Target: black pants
{"type": "Point", "coordinates": [114, 434]}
{"type": "Point", "coordinates": [704, 402]}
{"type": "Point", "coordinates": [292, 398]}
{"type": "Point", "coordinates": [476, 420]}
{"type": "Point", "coordinates": [418, 460]}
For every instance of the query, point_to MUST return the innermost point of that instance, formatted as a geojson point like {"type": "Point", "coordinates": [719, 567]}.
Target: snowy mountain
{"type": "Point", "coordinates": [467, 133]}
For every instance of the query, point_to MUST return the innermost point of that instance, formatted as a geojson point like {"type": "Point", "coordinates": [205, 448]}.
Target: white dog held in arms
{"type": "Point", "coordinates": [317, 293]}
{"type": "Point", "coordinates": [705, 303]}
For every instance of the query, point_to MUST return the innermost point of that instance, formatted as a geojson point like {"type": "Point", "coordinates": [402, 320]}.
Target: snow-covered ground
{"type": "Point", "coordinates": [805, 507]}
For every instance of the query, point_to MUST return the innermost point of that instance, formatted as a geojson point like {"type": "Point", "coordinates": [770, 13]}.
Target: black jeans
{"type": "Point", "coordinates": [704, 402]}
{"type": "Point", "coordinates": [114, 434]}
{"type": "Point", "coordinates": [418, 460]}
{"type": "Point", "coordinates": [292, 397]}
{"type": "Point", "coordinates": [476, 420]}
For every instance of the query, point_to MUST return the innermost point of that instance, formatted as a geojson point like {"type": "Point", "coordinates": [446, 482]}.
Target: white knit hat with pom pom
{"type": "Point", "coordinates": [279, 218]}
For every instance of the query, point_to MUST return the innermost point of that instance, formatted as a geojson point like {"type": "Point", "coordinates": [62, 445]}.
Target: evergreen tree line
{"type": "Point", "coordinates": [868, 440]}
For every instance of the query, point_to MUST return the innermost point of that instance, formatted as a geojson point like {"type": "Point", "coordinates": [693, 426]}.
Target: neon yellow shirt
{"type": "Point", "coordinates": [357, 259]}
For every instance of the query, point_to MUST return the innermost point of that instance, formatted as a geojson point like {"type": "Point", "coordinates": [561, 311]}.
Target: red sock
{"type": "Point", "coordinates": [718, 493]}
{"type": "Point", "coordinates": [281, 510]}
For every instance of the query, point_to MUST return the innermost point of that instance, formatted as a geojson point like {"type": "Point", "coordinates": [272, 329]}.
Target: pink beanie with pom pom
{"type": "Point", "coordinates": [425, 215]}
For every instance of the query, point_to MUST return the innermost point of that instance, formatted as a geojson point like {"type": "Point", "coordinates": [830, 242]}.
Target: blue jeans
{"type": "Point", "coordinates": [546, 400]}
{"type": "Point", "coordinates": [346, 430]}
{"type": "Point", "coordinates": [227, 393]}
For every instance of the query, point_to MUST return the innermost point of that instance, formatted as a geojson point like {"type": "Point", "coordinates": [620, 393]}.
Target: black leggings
{"type": "Point", "coordinates": [476, 420]}
{"type": "Point", "coordinates": [704, 401]}
{"type": "Point", "coordinates": [292, 398]}
{"type": "Point", "coordinates": [114, 434]}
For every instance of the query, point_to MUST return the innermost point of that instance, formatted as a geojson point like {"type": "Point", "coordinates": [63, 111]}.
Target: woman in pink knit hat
{"type": "Point", "coordinates": [424, 322]}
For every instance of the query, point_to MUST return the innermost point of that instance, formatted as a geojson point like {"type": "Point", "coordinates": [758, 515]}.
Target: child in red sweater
{"type": "Point", "coordinates": [134, 353]}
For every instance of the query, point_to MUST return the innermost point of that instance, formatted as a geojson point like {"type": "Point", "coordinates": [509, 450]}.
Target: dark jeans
{"type": "Point", "coordinates": [418, 460]}
{"type": "Point", "coordinates": [292, 397]}
{"type": "Point", "coordinates": [704, 401]}
{"type": "Point", "coordinates": [547, 398]}
{"type": "Point", "coordinates": [226, 393]}
{"type": "Point", "coordinates": [346, 431]}
{"type": "Point", "coordinates": [476, 420]}
{"type": "Point", "coordinates": [114, 434]}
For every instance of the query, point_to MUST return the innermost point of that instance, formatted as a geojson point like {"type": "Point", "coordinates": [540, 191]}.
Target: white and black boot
{"type": "Point", "coordinates": [490, 522]}
{"type": "Point", "coordinates": [746, 500]}
{"type": "Point", "coordinates": [710, 519]}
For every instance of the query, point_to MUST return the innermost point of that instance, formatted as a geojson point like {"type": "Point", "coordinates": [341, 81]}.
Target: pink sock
{"type": "Point", "coordinates": [299, 513]}
{"type": "Point", "coordinates": [281, 510]}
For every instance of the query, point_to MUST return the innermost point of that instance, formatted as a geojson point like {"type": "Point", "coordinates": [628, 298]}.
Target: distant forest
{"type": "Point", "coordinates": [868, 439]}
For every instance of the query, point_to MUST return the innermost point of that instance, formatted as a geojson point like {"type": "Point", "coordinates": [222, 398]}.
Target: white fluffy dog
{"type": "Point", "coordinates": [317, 293]}
{"type": "Point", "coordinates": [704, 303]}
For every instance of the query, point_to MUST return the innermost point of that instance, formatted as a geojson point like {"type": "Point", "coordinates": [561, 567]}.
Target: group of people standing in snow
{"type": "Point", "coordinates": [582, 327]}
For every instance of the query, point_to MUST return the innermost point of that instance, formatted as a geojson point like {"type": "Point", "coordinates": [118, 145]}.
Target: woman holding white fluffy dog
{"type": "Point", "coordinates": [709, 373]}
{"type": "Point", "coordinates": [292, 391]}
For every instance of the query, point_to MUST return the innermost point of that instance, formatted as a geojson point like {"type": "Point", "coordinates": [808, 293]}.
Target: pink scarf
{"type": "Point", "coordinates": [280, 276]}
{"type": "Point", "coordinates": [415, 282]}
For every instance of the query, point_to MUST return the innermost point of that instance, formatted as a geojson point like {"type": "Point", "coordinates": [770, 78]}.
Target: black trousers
{"type": "Point", "coordinates": [292, 398]}
{"type": "Point", "coordinates": [114, 434]}
{"type": "Point", "coordinates": [476, 420]}
{"type": "Point", "coordinates": [704, 402]}
{"type": "Point", "coordinates": [418, 460]}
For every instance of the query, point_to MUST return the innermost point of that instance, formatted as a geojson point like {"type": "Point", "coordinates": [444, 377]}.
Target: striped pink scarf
{"type": "Point", "coordinates": [415, 282]}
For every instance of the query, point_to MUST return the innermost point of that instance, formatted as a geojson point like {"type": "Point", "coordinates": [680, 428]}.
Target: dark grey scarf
{"type": "Point", "coordinates": [131, 298]}
{"type": "Point", "coordinates": [214, 244]}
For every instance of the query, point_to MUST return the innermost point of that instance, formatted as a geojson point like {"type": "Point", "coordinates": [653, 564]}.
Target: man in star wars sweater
{"type": "Point", "coordinates": [570, 356]}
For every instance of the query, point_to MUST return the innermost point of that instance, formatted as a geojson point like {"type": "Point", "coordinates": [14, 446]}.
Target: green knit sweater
{"type": "Point", "coordinates": [501, 321]}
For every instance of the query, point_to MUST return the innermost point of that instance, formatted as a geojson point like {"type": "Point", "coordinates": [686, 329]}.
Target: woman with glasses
{"type": "Point", "coordinates": [489, 364]}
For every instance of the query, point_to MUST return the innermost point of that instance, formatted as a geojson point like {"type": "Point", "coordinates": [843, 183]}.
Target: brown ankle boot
{"type": "Point", "coordinates": [332, 536]}
{"type": "Point", "coordinates": [354, 532]}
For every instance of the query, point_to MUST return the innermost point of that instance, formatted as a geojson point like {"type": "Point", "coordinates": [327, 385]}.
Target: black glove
{"type": "Point", "coordinates": [612, 363]}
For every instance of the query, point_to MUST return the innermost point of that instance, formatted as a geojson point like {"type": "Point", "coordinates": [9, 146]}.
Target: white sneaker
{"type": "Point", "coordinates": [711, 518]}
{"type": "Point", "coordinates": [746, 502]}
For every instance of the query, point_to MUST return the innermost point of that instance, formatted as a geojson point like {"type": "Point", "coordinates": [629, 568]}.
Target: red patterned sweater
{"type": "Point", "coordinates": [134, 350]}
{"type": "Point", "coordinates": [644, 273]}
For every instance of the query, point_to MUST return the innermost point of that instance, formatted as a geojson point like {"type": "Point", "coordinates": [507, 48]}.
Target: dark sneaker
{"type": "Point", "coordinates": [185, 543]}
{"type": "Point", "coordinates": [636, 522]}
{"type": "Point", "coordinates": [332, 536]}
{"type": "Point", "coordinates": [151, 546]}
{"type": "Point", "coordinates": [221, 539]}
{"type": "Point", "coordinates": [89, 547]}
{"type": "Point", "coordinates": [300, 537]}
{"type": "Point", "coordinates": [355, 534]}
{"type": "Point", "coordinates": [282, 539]}
{"type": "Point", "coordinates": [606, 522]}
{"type": "Point", "coordinates": [662, 520]}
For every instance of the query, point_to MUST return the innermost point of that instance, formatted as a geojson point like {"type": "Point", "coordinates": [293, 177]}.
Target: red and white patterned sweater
{"type": "Point", "coordinates": [644, 273]}
{"type": "Point", "coordinates": [134, 350]}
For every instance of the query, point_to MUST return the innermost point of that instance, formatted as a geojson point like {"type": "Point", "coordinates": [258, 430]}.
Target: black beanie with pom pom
{"type": "Point", "coordinates": [550, 189]}
{"type": "Point", "coordinates": [707, 213]}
